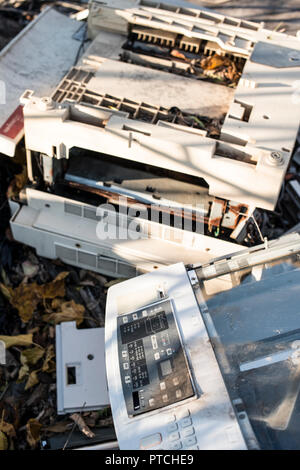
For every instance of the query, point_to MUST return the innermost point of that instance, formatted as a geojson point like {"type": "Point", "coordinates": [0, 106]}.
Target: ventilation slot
{"type": "Point", "coordinates": [65, 253]}
{"type": "Point", "coordinates": [88, 259]}
{"type": "Point", "coordinates": [107, 264]}
{"type": "Point", "coordinates": [73, 209]}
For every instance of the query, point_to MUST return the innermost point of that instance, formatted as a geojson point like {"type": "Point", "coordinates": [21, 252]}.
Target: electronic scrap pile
{"type": "Point", "coordinates": [205, 144]}
{"type": "Point", "coordinates": [173, 138]}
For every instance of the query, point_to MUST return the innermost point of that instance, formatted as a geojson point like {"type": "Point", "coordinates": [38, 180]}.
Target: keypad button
{"type": "Point", "coordinates": [151, 402]}
{"type": "Point", "coordinates": [127, 379]}
{"type": "Point", "coordinates": [126, 365]}
{"type": "Point", "coordinates": [185, 422]}
{"type": "Point", "coordinates": [165, 398]}
{"type": "Point", "coordinates": [174, 436]}
{"type": "Point", "coordinates": [125, 319]}
{"type": "Point", "coordinates": [162, 385]}
{"type": "Point", "coordinates": [176, 445]}
{"type": "Point", "coordinates": [156, 356]}
{"type": "Point", "coordinates": [175, 381]}
{"type": "Point", "coordinates": [150, 441]}
{"type": "Point", "coordinates": [183, 413]}
{"type": "Point", "coordinates": [169, 351]}
{"type": "Point", "coordinates": [190, 441]}
{"type": "Point", "coordinates": [178, 393]}
{"type": "Point", "coordinates": [171, 418]}
{"type": "Point", "coordinates": [172, 427]}
{"type": "Point", "coordinates": [124, 354]}
{"type": "Point", "coordinates": [189, 431]}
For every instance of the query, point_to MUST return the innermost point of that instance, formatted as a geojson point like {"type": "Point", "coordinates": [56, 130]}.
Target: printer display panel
{"type": "Point", "coordinates": [153, 366]}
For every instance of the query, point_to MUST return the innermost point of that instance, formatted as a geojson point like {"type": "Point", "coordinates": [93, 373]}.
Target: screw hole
{"type": "Point", "coordinates": [47, 205]}
{"type": "Point", "coordinates": [78, 245]}
{"type": "Point", "coordinates": [266, 117]}
{"type": "Point", "coordinates": [90, 357]}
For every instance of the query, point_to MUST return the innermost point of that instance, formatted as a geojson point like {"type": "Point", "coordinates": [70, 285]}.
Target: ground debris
{"type": "Point", "coordinates": [82, 425]}
{"type": "Point", "coordinates": [28, 380]}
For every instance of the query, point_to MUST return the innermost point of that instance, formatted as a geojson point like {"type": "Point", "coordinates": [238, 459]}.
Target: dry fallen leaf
{"type": "Point", "coordinates": [49, 365]}
{"type": "Point", "coordinates": [17, 184]}
{"type": "Point", "coordinates": [33, 355]}
{"type": "Point", "coordinates": [3, 441]}
{"type": "Point", "coordinates": [18, 340]}
{"type": "Point", "coordinates": [26, 297]}
{"type": "Point", "coordinates": [7, 428]}
{"type": "Point", "coordinates": [33, 428]}
{"type": "Point", "coordinates": [213, 62]}
{"type": "Point", "coordinates": [32, 380]}
{"type": "Point", "coordinates": [176, 53]}
{"type": "Point", "coordinates": [82, 425]}
{"type": "Point", "coordinates": [70, 311]}
{"type": "Point", "coordinates": [55, 288]}
{"type": "Point", "coordinates": [5, 291]}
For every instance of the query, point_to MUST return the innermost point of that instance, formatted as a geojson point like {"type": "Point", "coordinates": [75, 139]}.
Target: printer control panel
{"type": "Point", "coordinates": [153, 365]}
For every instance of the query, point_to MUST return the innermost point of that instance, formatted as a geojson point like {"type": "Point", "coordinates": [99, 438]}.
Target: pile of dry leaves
{"type": "Point", "coordinates": [35, 295]}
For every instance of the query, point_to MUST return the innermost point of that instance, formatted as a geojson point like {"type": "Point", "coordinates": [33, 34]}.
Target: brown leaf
{"type": "Point", "coordinates": [177, 54]}
{"type": "Point", "coordinates": [18, 340]}
{"type": "Point", "coordinates": [49, 365]}
{"type": "Point", "coordinates": [70, 311]}
{"type": "Point", "coordinates": [3, 441]}
{"type": "Point", "coordinates": [17, 184]}
{"type": "Point", "coordinates": [213, 62]}
{"type": "Point", "coordinates": [33, 355]}
{"type": "Point", "coordinates": [26, 297]}
{"type": "Point", "coordinates": [82, 425]}
{"type": "Point", "coordinates": [33, 428]}
{"type": "Point", "coordinates": [6, 291]}
{"type": "Point", "coordinates": [55, 288]}
{"type": "Point", "coordinates": [32, 380]}
{"type": "Point", "coordinates": [24, 370]}
{"type": "Point", "coordinates": [7, 428]}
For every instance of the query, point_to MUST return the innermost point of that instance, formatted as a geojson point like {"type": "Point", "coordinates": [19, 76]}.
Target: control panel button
{"type": "Point", "coordinates": [162, 385]}
{"type": "Point", "coordinates": [151, 402]}
{"type": "Point", "coordinates": [185, 422]}
{"type": "Point", "coordinates": [154, 342]}
{"type": "Point", "coordinates": [172, 427]}
{"type": "Point", "coordinates": [125, 366]}
{"type": "Point", "coordinates": [183, 413]}
{"type": "Point", "coordinates": [190, 441]}
{"type": "Point", "coordinates": [171, 418]}
{"type": "Point", "coordinates": [127, 379]}
{"type": "Point", "coordinates": [124, 354]}
{"type": "Point", "coordinates": [174, 436]}
{"type": "Point", "coordinates": [178, 393]}
{"type": "Point", "coordinates": [150, 441]}
{"type": "Point", "coordinates": [175, 381]}
{"type": "Point", "coordinates": [165, 398]}
{"type": "Point", "coordinates": [134, 316]}
{"type": "Point", "coordinates": [169, 351]}
{"type": "Point", "coordinates": [176, 445]}
{"type": "Point", "coordinates": [144, 313]}
{"type": "Point", "coordinates": [125, 319]}
{"type": "Point", "coordinates": [156, 356]}
{"type": "Point", "coordinates": [189, 431]}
